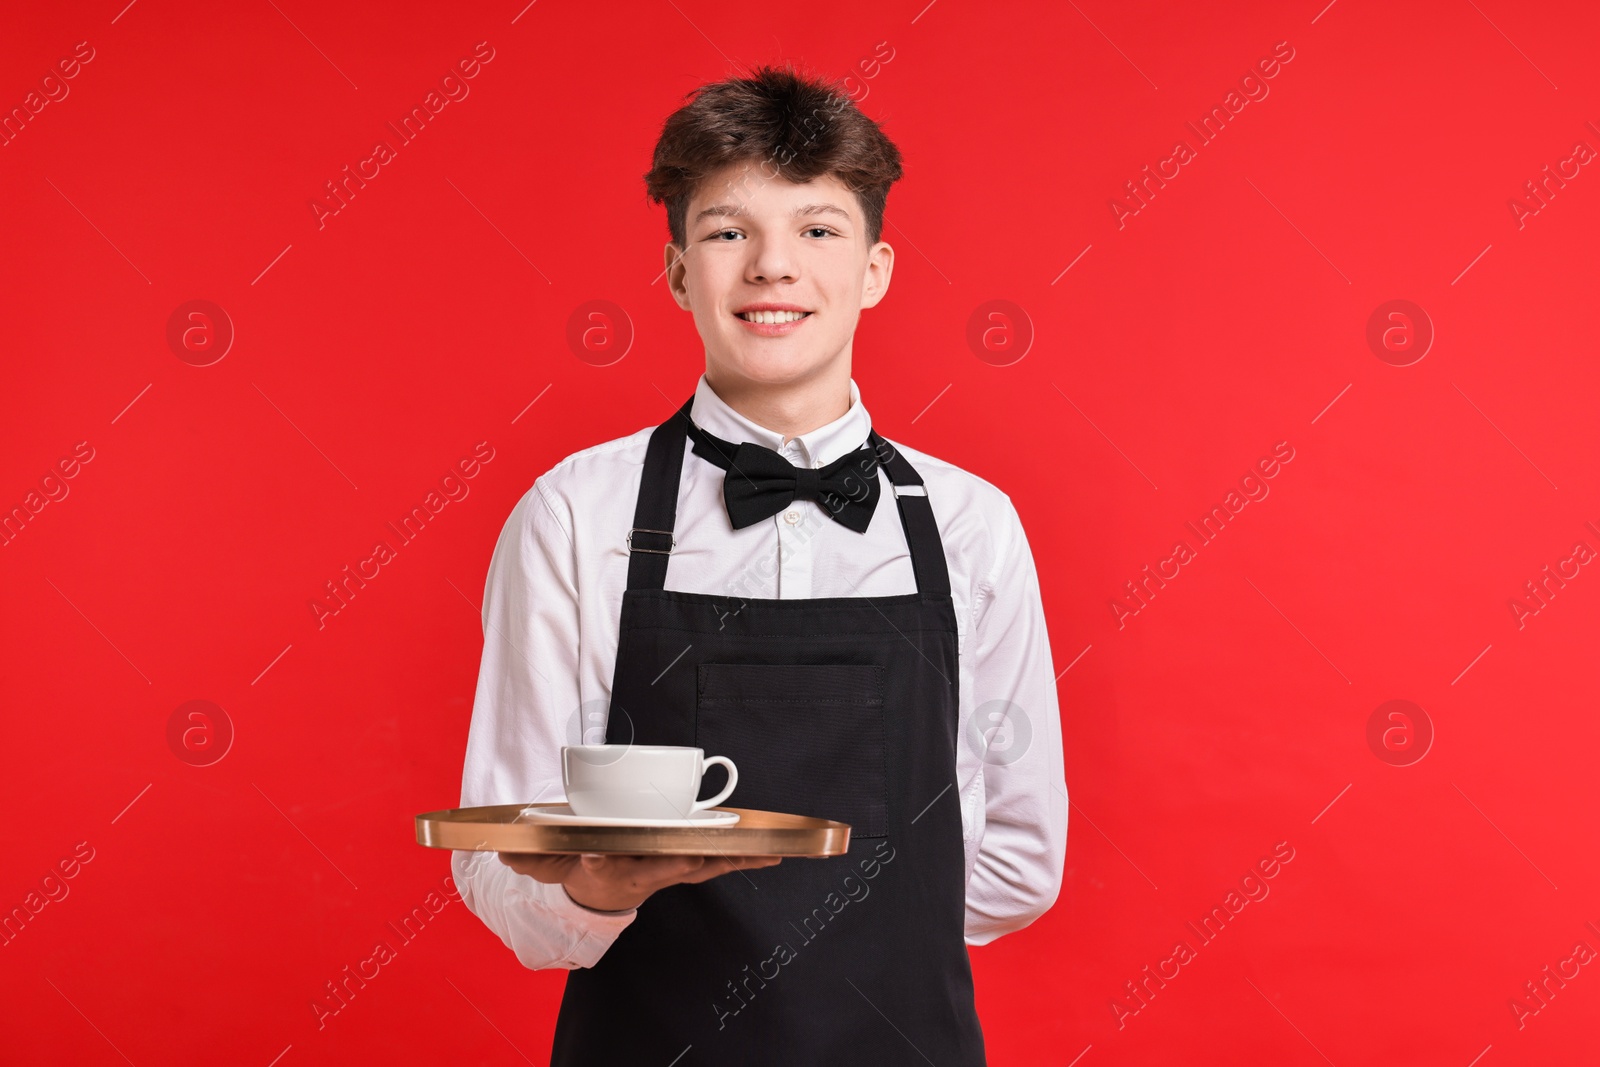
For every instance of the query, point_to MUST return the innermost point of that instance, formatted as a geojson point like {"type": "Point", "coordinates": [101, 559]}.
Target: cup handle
{"type": "Point", "coordinates": [727, 790]}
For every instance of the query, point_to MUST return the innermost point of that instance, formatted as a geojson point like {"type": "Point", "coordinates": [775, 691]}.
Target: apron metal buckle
{"type": "Point", "coordinates": [660, 551]}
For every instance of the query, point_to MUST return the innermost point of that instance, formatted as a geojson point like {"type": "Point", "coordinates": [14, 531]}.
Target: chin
{"type": "Point", "coordinates": [772, 368]}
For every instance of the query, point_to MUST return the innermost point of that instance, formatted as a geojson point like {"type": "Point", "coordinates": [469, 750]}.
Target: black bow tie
{"type": "Point", "coordinates": [760, 483]}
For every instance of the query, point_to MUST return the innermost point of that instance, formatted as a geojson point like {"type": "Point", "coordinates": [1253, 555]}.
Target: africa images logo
{"type": "Point", "coordinates": [854, 889]}
{"type": "Point", "coordinates": [453, 87]}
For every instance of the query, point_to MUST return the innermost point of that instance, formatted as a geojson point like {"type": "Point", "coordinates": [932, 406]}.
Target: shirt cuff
{"type": "Point", "coordinates": [596, 930]}
{"type": "Point", "coordinates": [562, 901]}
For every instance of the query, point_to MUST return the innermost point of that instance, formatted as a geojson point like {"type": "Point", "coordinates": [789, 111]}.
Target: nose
{"type": "Point", "coordinates": [771, 261]}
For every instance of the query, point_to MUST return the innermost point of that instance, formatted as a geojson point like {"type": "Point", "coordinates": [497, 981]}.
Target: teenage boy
{"type": "Point", "coordinates": [854, 622]}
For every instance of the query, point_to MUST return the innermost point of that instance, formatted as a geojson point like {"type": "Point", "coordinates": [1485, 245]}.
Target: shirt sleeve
{"type": "Point", "coordinates": [527, 692]}
{"type": "Point", "coordinates": [1019, 791]}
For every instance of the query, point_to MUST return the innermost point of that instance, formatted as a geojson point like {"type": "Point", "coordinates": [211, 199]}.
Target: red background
{"type": "Point", "coordinates": [1229, 314]}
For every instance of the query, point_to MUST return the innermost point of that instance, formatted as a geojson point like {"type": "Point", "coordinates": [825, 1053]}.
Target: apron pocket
{"type": "Point", "coordinates": [808, 738]}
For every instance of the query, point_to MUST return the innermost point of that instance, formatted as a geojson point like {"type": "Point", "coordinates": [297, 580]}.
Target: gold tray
{"type": "Point", "coordinates": [497, 828]}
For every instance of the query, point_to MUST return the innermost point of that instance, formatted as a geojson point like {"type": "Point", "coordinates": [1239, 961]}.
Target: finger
{"type": "Point", "coordinates": [637, 865]}
{"type": "Point", "coordinates": [542, 868]}
{"type": "Point", "coordinates": [706, 873]}
{"type": "Point", "coordinates": [716, 867]}
{"type": "Point", "coordinates": [662, 871]}
{"type": "Point", "coordinates": [535, 869]}
{"type": "Point", "coordinates": [640, 873]}
{"type": "Point", "coordinates": [519, 861]}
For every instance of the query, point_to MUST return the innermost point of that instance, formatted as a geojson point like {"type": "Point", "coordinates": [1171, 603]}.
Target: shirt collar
{"type": "Point", "coordinates": [819, 447]}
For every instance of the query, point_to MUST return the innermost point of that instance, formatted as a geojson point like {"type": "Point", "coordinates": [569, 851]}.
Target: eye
{"type": "Point", "coordinates": [723, 233]}
{"type": "Point", "coordinates": [824, 230]}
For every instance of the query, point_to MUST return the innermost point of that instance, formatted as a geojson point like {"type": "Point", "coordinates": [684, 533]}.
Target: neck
{"type": "Point", "coordinates": [790, 408]}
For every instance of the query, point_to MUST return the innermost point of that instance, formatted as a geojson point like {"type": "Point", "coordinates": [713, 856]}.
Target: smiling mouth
{"type": "Point", "coordinates": [772, 317]}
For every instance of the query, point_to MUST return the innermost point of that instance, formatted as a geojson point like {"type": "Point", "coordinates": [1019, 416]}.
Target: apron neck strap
{"type": "Point", "coordinates": [916, 516]}
{"type": "Point", "coordinates": [655, 515]}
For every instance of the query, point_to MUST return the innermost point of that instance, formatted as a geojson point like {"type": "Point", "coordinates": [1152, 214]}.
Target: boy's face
{"type": "Point", "coordinates": [757, 241]}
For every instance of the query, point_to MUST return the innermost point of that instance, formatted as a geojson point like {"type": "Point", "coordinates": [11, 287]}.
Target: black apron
{"type": "Point", "coordinates": [838, 707]}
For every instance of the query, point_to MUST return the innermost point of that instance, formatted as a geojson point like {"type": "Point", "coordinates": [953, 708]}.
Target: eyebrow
{"type": "Point", "coordinates": [738, 211]}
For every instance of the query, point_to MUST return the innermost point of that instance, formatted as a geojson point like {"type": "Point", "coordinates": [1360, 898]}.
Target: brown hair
{"type": "Point", "coordinates": [797, 126]}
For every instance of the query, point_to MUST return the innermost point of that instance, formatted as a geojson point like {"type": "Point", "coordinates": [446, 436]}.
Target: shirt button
{"type": "Point", "coordinates": [791, 516]}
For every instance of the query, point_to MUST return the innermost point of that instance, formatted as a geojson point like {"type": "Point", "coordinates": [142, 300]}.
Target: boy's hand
{"type": "Point", "coordinates": [617, 883]}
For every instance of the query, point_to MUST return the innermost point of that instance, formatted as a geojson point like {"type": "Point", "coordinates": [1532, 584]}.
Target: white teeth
{"type": "Point", "coordinates": [772, 316]}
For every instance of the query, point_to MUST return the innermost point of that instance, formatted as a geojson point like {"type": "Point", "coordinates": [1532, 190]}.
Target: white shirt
{"type": "Point", "coordinates": [552, 608]}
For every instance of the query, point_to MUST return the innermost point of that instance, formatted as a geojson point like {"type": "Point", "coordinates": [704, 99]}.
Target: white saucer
{"type": "Point", "coordinates": [563, 814]}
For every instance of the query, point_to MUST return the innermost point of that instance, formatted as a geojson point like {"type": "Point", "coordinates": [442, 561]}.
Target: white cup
{"type": "Point", "coordinates": [639, 781]}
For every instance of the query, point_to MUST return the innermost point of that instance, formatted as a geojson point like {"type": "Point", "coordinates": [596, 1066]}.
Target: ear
{"type": "Point", "coordinates": [676, 272]}
{"type": "Point", "coordinates": [880, 267]}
